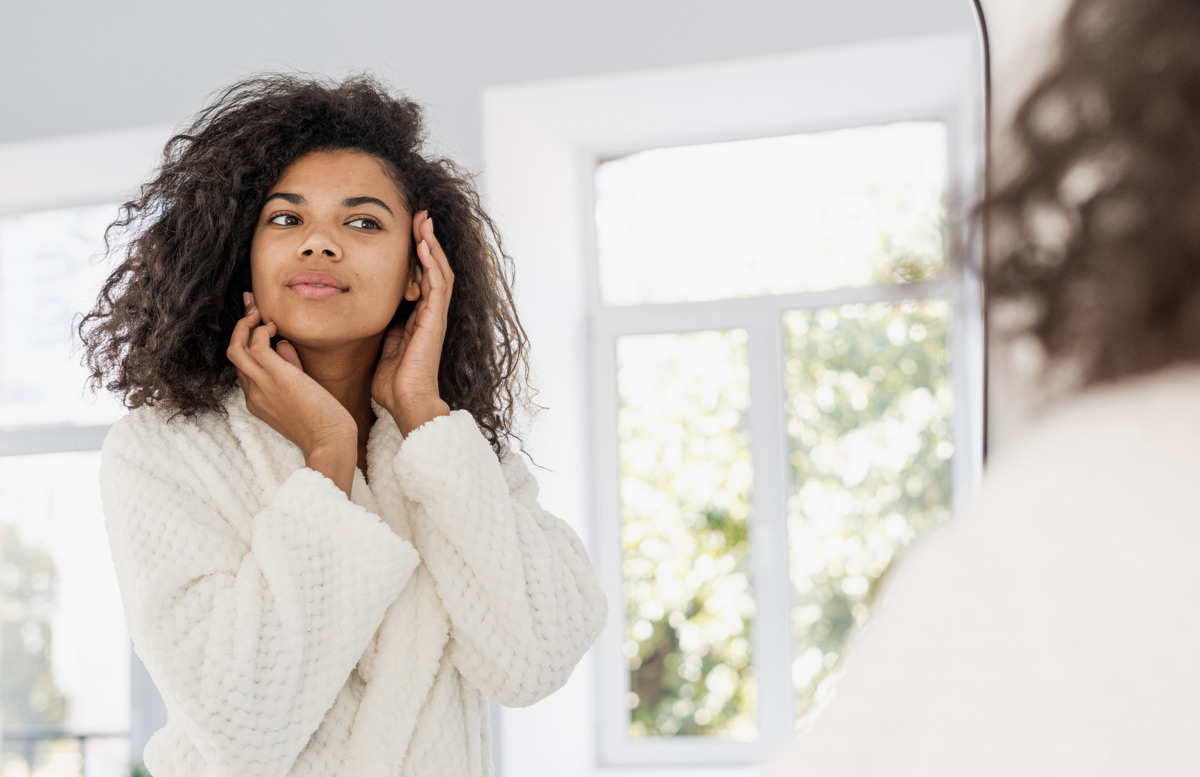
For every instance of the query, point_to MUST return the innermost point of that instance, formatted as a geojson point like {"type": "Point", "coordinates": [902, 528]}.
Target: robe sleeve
{"type": "Point", "coordinates": [248, 634]}
{"type": "Point", "coordinates": [523, 598]}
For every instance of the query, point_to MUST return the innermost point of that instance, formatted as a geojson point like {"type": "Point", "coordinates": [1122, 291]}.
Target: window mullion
{"type": "Point", "coordinates": [59, 438]}
{"type": "Point", "coordinates": [772, 638]}
{"type": "Point", "coordinates": [612, 681]}
{"type": "Point", "coordinates": [735, 312]}
{"type": "Point", "coordinates": [148, 713]}
{"type": "Point", "coordinates": [966, 348]}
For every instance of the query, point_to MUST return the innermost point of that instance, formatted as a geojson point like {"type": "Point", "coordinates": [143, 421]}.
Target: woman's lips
{"type": "Point", "coordinates": [315, 292]}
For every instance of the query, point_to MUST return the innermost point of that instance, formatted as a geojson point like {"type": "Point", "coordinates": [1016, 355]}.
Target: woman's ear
{"type": "Point", "coordinates": [413, 291]}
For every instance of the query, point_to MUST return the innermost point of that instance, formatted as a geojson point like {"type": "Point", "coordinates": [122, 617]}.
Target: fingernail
{"type": "Point", "coordinates": [246, 298]}
{"type": "Point", "coordinates": [430, 224]}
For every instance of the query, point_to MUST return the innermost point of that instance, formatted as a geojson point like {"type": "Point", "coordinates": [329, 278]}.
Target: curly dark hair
{"type": "Point", "coordinates": [162, 323]}
{"type": "Point", "coordinates": [1096, 229]}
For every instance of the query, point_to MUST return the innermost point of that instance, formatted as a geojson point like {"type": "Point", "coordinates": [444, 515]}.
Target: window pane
{"type": "Point", "coordinates": [35, 755]}
{"type": "Point", "coordinates": [806, 212]}
{"type": "Point", "coordinates": [686, 475]}
{"type": "Point", "coordinates": [869, 406]}
{"type": "Point", "coordinates": [66, 652]}
{"type": "Point", "coordinates": [48, 273]}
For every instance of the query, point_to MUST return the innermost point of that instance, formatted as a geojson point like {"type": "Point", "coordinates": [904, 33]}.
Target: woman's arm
{"type": "Point", "coordinates": [523, 598]}
{"type": "Point", "coordinates": [248, 642]}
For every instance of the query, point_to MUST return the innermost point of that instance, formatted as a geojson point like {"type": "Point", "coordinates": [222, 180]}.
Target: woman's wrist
{"type": "Point", "coordinates": [336, 463]}
{"type": "Point", "coordinates": [411, 416]}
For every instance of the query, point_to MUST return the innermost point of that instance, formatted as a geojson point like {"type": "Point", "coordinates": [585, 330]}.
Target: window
{"type": "Point", "coordinates": [76, 700]}
{"type": "Point", "coordinates": [66, 678]}
{"type": "Point", "coordinates": [777, 305]}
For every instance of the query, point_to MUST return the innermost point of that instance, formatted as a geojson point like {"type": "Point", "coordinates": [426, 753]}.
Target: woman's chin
{"type": "Point", "coordinates": [324, 338]}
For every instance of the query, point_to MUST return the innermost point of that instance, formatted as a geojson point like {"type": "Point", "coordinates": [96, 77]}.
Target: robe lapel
{"type": "Point", "coordinates": [398, 676]}
{"type": "Point", "coordinates": [273, 457]}
{"type": "Point", "coordinates": [402, 662]}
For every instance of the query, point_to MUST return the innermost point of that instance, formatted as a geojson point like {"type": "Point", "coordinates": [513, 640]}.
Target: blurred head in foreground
{"type": "Point", "coordinates": [1096, 225]}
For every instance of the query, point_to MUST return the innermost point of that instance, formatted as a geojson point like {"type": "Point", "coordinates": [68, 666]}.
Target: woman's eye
{"type": "Point", "coordinates": [367, 223]}
{"type": "Point", "coordinates": [281, 220]}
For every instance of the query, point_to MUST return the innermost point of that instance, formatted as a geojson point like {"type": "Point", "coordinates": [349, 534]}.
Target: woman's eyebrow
{"type": "Point", "coordinates": [295, 199]}
{"type": "Point", "coordinates": [349, 202]}
{"type": "Point", "coordinates": [354, 202]}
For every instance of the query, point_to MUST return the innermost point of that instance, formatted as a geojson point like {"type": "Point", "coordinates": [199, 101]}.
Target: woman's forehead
{"type": "Point", "coordinates": [339, 175]}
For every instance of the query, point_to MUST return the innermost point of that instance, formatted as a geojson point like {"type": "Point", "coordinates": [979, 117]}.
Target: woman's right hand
{"type": "Point", "coordinates": [279, 391]}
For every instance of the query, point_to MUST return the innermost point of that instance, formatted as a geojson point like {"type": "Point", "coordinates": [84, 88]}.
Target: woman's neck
{"type": "Point", "coordinates": [346, 373]}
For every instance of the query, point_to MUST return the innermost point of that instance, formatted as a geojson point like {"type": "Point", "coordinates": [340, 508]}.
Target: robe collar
{"type": "Point", "coordinates": [274, 457]}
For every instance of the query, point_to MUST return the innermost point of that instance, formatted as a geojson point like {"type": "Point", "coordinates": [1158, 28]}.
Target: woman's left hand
{"type": "Point", "coordinates": [406, 377]}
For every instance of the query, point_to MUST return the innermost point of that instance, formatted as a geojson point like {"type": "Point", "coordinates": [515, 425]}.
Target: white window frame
{"type": "Point", "coordinates": [541, 145]}
{"type": "Point", "coordinates": [77, 171]}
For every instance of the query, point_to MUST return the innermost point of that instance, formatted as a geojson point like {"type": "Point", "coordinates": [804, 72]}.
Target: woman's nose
{"type": "Point", "coordinates": [318, 241]}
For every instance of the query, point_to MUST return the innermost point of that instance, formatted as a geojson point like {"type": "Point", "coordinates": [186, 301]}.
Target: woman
{"type": "Point", "coordinates": [1052, 632]}
{"type": "Point", "coordinates": [328, 553]}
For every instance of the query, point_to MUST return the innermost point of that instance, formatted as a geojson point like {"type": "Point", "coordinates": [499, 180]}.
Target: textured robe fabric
{"type": "Point", "coordinates": [293, 631]}
{"type": "Point", "coordinates": [1053, 631]}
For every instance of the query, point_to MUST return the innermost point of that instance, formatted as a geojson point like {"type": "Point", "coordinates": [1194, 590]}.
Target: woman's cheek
{"type": "Point", "coordinates": [266, 305]}
{"type": "Point", "coordinates": [384, 309]}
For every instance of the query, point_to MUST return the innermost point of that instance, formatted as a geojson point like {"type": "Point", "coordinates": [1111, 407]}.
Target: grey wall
{"type": "Point", "coordinates": [90, 65]}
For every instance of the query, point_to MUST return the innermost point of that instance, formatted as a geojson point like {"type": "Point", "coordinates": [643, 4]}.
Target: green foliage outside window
{"type": "Point", "coordinates": [868, 394]}
{"type": "Point", "coordinates": [685, 509]}
{"type": "Point", "coordinates": [869, 405]}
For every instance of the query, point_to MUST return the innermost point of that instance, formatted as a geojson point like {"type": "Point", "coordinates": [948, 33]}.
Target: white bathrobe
{"type": "Point", "coordinates": [293, 631]}
{"type": "Point", "coordinates": [1054, 631]}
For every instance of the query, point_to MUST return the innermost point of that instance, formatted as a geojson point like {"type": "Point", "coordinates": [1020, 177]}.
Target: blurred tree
{"type": "Point", "coordinates": [686, 478]}
{"type": "Point", "coordinates": [869, 408]}
{"type": "Point", "coordinates": [29, 697]}
{"type": "Point", "coordinates": [28, 694]}
{"type": "Point", "coordinates": [869, 403]}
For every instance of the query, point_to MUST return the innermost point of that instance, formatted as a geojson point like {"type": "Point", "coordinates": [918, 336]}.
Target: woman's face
{"type": "Point", "coordinates": [329, 261]}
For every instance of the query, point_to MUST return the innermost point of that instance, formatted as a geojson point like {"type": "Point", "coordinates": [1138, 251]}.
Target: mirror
{"type": "Point", "coordinates": [742, 269]}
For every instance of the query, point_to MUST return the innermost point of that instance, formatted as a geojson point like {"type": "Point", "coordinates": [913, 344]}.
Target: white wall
{"type": "Point", "coordinates": [79, 66]}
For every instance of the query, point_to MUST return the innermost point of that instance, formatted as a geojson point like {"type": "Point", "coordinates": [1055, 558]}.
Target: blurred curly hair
{"type": "Point", "coordinates": [1096, 229]}
{"type": "Point", "coordinates": [161, 325]}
